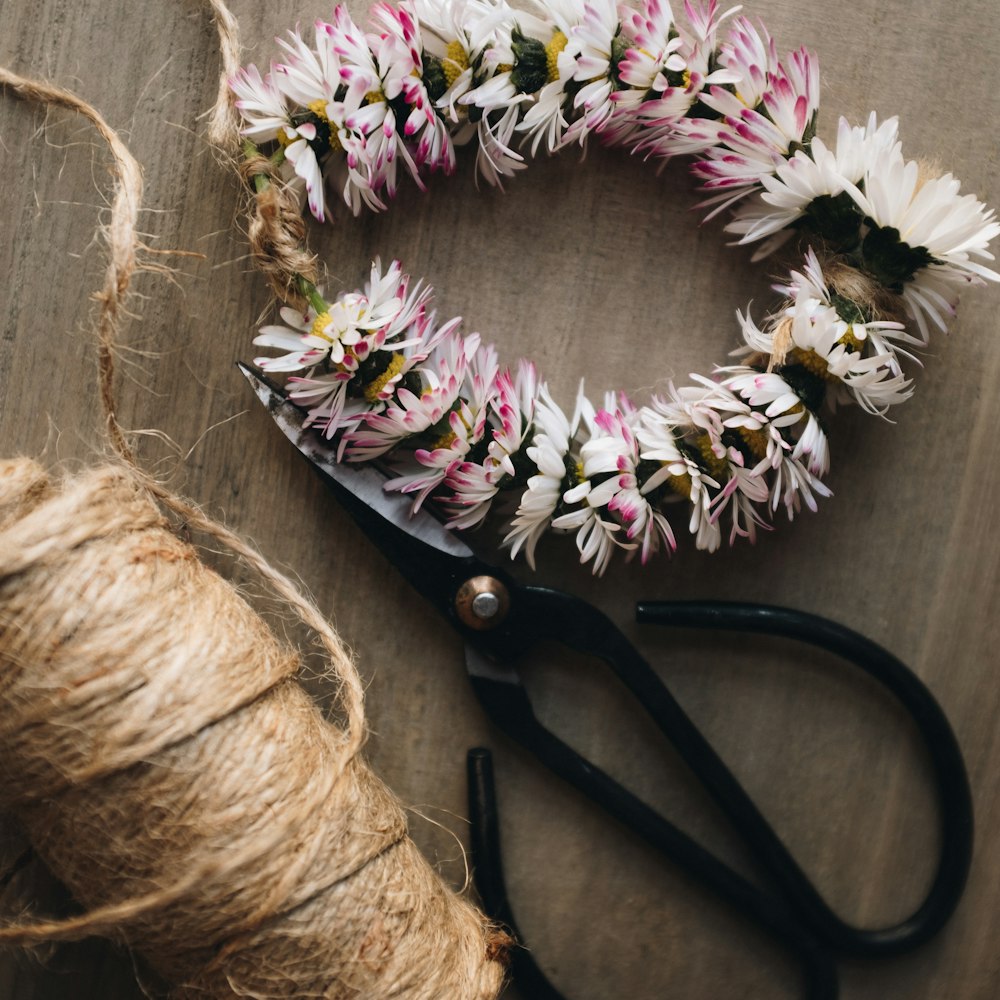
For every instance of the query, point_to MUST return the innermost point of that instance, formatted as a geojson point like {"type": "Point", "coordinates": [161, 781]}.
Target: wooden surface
{"type": "Point", "coordinates": [597, 269]}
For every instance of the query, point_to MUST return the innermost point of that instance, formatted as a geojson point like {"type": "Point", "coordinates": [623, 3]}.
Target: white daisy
{"type": "Point", "coordinates": [545, 120]}
{"type": "Point", "coordinates": [398, 47]}
{"type": "Point", "coordinates": [616, 453]}
{"type": "Point", "coordinates": [830, 348]}
{"type": "Point", "coordinates": [919, 227]}
{"type": "Point", "coordinates": [752, 144]}
{"type": "Point", "coordinates": [658, 442]}
{"type": "Point", "coordinates": [552, 437]}
{"type": "Point", "coordinates": [884, 336]}
{"type": "Point", "coordinates": [725, 434]}
{"type": "Point", "coordinates": [650, 67]}
{"type": "Point", "coordinates": [411, 413]}
{"type": "Point", "coordinates": [594, 43]}
{"type": "Point", "coordinates": [475, 484]}
{"type": "Point", "coordinates": [668, 130]}
{"type": "Point", "coordinates": [387, 304]}
{"type": "Point", "coordinates": [466, 424]}
{"type": "Point", "coordinates": [261, 104]}
{"type": "Point", "coordinates": [597, 535]}
{"type": "Point", "coordinates": [428, 468]}
{"type": "Point", "coordinates": [472, 39]}
{"type": "Point", "coordinates": [809, 185]}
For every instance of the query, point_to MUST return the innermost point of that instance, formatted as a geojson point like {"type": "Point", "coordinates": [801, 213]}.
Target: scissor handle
{"type": "Point", "coordinates": [819, 973]}
{"type": "Point", "coordinates": [566, 619]}
{"type": "Point", "coordinates": [951, 780]}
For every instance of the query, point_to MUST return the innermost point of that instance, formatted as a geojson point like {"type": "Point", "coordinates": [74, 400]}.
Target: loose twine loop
{"type": "Point", "coordinates": [159, 754]}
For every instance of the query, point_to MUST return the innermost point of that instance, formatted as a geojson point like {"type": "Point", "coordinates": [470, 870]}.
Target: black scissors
{"type": "Point", "coordinates": [501, 619]}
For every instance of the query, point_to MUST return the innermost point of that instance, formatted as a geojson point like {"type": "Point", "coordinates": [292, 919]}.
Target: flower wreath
{"type": "Point", "coordinates": [890, 246]}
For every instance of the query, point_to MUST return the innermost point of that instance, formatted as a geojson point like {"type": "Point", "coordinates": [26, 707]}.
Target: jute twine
{"type": "Point", "coordinates": [276, 230]}
{"type": "Point", "coordinates": [162, 759]}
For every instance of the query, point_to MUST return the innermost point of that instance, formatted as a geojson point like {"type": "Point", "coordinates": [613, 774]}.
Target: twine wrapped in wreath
{"type": "Point", "coordinates": [162, 759]}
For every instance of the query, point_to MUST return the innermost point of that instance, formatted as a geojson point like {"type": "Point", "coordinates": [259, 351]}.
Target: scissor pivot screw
{"type": "Point", "coordinates": [482, 602]}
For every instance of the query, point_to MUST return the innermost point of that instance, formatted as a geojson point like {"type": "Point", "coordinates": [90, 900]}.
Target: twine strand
{"type": "Point", "coordinates": [159, 754]}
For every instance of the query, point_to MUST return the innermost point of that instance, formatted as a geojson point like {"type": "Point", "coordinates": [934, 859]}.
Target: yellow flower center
{"type": "Point", "coordinates": [456, 61]}
{"type": "Point", "coordinates": [320, 323]}
{"type": "Point", "coordinates": [686, 77]}
{"type": "Point", "coordinates": [717, 466]}
{"type": "Point", "coordinates": [812, 362]}
{"type": "Point", "coordinates": [552, 51]}
{"type": "Point", "coordinates": [505, 67]}
{"type": "Point", "coordinates": [377, 385]}
{"type": "Point", "coordinates": [681, 485]}
{"type": "Point", "coordinates": [756, 440]}
{"type": "Point", "coordinates": [373, 97]}
{"type": "Point", "coordinates": [850, 341]}
{"type": "Point", "coordinates": [318, 108]}
{"type": "Point", "coordinates": [445, 441]}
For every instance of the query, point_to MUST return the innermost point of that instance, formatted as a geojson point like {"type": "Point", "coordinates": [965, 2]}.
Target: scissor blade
{"type": "Point", "coordinates": [364, 482]}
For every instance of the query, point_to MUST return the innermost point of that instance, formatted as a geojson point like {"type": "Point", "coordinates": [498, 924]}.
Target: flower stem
{"type": "Point", "coordinates": [311, 292]}
{"type": "Point", "coordinates": [251, 150]}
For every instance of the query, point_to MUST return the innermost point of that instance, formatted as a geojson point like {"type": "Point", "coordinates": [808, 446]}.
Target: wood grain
{"type": "Point", "coordinates": [595, 269]}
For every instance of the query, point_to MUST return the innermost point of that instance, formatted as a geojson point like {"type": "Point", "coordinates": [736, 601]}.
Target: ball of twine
{"type": "Point", "coordinates": [170, 771]}
{"type": "Point", "coordinates": [162, 759]}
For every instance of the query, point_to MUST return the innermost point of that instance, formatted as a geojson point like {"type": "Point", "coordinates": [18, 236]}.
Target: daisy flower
{"type": "Point", "coordinates": [551, 439]}
{"type": "Point", "coordinates": [883, 336]}
{"type": "Point", "coordinates": [387, 304]}
{"type": "Point", "coordinates": [262, 105]}
{"type": "Point", "coordinates": [398, 47]}
{"type": "Point", "coordinates": [924, 238]}
{"type": "Point", "coordinates": [475, 484]}
{"type": "Point", "coordinates": [752, 144]}
{"type": "Point", "coordinates": [724, 434]}
{"type": "Point", "coordinates": [369, 135]}
{"type": "Point", "coordinates": [551, 66]}
{"type": "Point", "coordinates": [597, 534]}
{"type": "Point", "coordinates": [615, 453]}
{"type": "Point", "coordinates": [310, 78]}
{"type": "Point", "coordinates": [459, 431]}
{"type": "Point", "coordinates": [782, 405]}
{"type": "Point", "coordinates": [649, 63]}
{"type": "Point", "coordinates": [413, 413]}
{"type": "Point", "coordinates": [428, 468]}
{"type": "Point", "coordinates": [811, 186]}
{"type": "Point", "coordinates": [474, 42]}
{"type": "Point", "coordinates": [668, 132]}
{"type": "Point", "coordinates": [677, 470]}
{"type": "Point", "coordinates": [596, 41]}
{"type": "Point", "coordinates": [830, 351]}
{"type": "Point", "coordinates": [362, 341]}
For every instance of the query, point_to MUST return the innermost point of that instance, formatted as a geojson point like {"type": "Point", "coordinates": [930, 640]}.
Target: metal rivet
{"type": "Point", "coordinates": [485, 605]}
{"type": "Point", "coordinates": [482, 602]}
